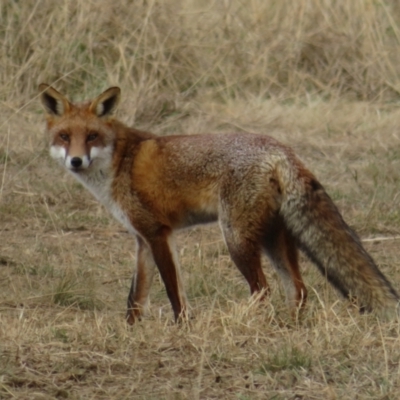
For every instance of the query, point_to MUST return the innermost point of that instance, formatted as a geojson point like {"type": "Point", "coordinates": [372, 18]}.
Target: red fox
{"type": "Point", "coordinates": [263, 197]}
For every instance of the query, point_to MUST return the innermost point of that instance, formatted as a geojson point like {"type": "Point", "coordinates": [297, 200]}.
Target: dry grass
{"type": "Point", "coordinates": [319, 75]}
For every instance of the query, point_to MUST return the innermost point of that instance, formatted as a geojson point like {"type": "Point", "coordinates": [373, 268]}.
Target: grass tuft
{"type": "Point", "coordinates": [287, 358]}
{"type": "Point", "coordinates": [75, 291]}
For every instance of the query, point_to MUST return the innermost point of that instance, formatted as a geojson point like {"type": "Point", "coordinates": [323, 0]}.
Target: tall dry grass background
{"type": "Point", "coordinates": [319, 75]}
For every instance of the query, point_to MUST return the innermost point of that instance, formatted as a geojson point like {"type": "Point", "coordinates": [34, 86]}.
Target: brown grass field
{"type": "Point", "coordinates": [322, 76]}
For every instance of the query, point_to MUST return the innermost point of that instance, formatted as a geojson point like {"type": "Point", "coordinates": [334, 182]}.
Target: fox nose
{"type": "Point", "coordinates": [76, 162]}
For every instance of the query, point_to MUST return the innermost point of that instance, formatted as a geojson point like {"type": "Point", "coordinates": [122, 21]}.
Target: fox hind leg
{"type": "Point", "coordinates": [245, 252]}
{"type": "Point", "coordinates": [282, 251]}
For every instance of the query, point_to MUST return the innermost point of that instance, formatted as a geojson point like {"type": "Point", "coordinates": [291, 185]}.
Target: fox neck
{"type": "Point", "coordinates": [97, 180]}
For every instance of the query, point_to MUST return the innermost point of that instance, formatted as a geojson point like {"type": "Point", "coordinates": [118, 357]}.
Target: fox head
{"type": "Point", "coordinates": [80, 134]}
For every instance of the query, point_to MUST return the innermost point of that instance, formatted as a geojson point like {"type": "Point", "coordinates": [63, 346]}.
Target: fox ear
{"type": "Point", "coordinates": [53, 102]}
{"type": "Point", "coordinates": [106, 103]}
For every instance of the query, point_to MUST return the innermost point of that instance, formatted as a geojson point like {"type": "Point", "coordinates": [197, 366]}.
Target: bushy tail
{"type": "Point", "coordinates": [315, 222]}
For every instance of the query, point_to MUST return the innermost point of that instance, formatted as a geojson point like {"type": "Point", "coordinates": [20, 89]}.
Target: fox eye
{"type": "Point", "coordinates": [92, 136]}
{"type": "Point", "coordinates": [64, 136]}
